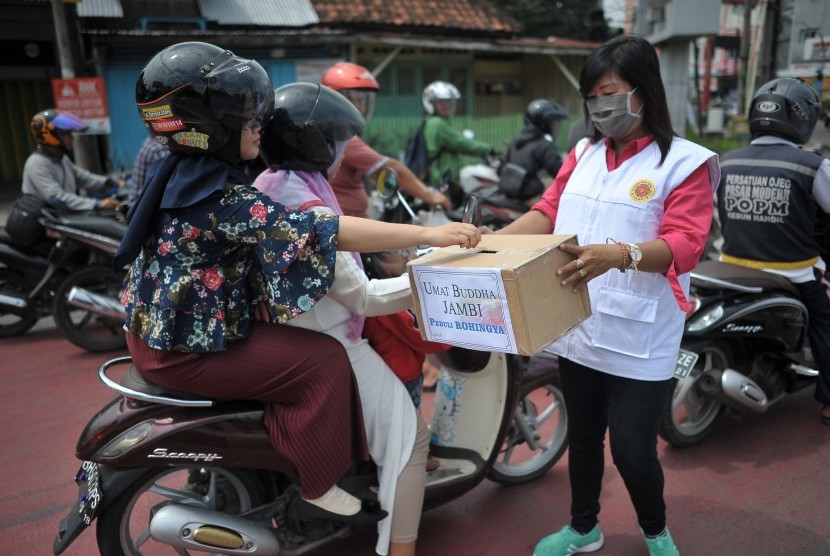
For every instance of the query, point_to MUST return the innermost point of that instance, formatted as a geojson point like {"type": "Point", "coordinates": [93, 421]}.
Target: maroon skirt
{"type": "Point", "coordinates": [304, 378]}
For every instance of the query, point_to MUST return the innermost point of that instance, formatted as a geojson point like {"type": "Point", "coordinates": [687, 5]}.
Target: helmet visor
{"type": "Point", "coordinates": [68, 123]}
{"type": "Point", "coordinates": [240, 92]}
{"type": "Point", "coordinates": [336, 117]}
{"type": "Point", "coordinates": [449, 106]}
{"type": "Point", "coordinates": [363, 100]}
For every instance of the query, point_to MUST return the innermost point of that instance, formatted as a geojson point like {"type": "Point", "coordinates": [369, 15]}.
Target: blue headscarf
{"type": "Point", "coordinates": [176, 182]}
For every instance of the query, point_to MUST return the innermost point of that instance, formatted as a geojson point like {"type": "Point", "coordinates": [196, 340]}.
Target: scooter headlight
{"type": "Point", "coordinates": [127, 440]}
{"type": "Point", "coordinates": [706, 319]}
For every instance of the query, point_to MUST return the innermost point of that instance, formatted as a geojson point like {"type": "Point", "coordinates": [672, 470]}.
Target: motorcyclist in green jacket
{"type": "Point", "coordinates": [445, 144]}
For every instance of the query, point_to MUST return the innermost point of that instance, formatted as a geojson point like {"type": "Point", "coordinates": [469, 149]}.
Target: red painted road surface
{"type": "Point", "coordinates": [756, 487]}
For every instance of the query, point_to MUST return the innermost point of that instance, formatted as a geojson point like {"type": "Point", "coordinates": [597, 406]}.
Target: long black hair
{"type": "Point", "coordinates": [633, 59]}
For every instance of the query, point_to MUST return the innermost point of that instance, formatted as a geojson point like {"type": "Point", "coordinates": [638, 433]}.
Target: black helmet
{"type": "Point", "coordinates": [308, 120]}
{"type": "Point", "coordinates": [193, 94]}
{"type": "Point", "coordinates": [542, 113]}
{"type": "Point", "coordinates": [786, 107]}
{"type": "Point", "coordinates": [47, 125]}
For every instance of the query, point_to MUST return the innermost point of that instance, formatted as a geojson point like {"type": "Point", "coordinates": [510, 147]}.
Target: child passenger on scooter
{"type": "Point", "coordinates": [303, 145]}
{"type": "Point", "coordinates": [206, 248]}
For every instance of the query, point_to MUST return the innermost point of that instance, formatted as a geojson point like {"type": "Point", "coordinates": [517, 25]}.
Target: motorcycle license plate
{"type": "Point", "coordinates": [85, 510]}
{"type": "Point", "coordinates": [89, 492]}
{"type": "Point", "coordinates": [685, 363]}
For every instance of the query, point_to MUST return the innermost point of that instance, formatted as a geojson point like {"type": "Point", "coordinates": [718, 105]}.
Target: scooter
{"type": "Point", "coordinates": [494, 209]}
{"type": "Point", "coordinates": [67, 274]}
{"type": "Point", "coordinates": [744, 348]}
{"type": "Point", "coordinates": [165, 469]}
{"type": "Point", "coordinates": [541, 372]}
{"type": "Point", "coordinates": [484, 182]}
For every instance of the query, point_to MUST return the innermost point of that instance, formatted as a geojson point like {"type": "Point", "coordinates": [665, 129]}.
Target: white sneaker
{"type": "Point", "coordinates": [337, 501]}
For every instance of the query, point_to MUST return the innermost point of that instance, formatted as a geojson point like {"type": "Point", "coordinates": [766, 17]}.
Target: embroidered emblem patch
{"type": "Point", "coordinates": [192, 139]}
{"type": "Point", "coordinates": [642, 191]}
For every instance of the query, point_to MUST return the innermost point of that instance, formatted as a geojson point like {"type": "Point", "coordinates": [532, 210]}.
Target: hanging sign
{"type": "Point", "coordinates": [86, 98]}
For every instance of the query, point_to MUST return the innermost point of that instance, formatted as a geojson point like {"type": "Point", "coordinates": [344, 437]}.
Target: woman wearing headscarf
{"type": "Point", "coordinates": [205, 248]}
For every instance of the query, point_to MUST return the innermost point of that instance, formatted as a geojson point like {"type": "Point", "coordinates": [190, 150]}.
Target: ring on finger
{"type": "Point", "coordinates": [580, 264]}
{"type": "Point", "coordinates": [582, 273]}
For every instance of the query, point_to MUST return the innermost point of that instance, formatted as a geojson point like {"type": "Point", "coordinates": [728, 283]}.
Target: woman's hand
{"type": "Point", "coordinates": [261, 313]}
{"type": "Point", "coordinates": [591, 261]}
{"type": "Point", "coordinates": [365, 235]}
{"type": "Point", "coordinates": [454, 233]}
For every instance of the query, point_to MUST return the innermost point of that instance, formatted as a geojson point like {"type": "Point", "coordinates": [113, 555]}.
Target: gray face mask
{"type": "Point", "coordinates": [612, 114]}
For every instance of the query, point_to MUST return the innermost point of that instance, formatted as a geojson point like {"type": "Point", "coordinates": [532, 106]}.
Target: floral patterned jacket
{"type": "Point", "coordinates": [193, 286]}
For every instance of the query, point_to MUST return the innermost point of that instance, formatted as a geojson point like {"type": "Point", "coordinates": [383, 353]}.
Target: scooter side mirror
{"type": "Point", "coordinates": [387, 183]}
{"type": "Point", "coordinates": [472, 211]}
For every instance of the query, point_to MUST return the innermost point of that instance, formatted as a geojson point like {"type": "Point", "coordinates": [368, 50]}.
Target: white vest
{"type": "Point", "coordinates": [636, 325]}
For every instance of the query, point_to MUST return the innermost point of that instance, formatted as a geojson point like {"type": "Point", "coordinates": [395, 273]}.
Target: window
{"type": "Point", "coordinates": [406, 81]}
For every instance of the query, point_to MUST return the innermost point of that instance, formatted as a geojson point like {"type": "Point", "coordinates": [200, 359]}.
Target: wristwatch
{"type": "Point", "coordinates": [636, 255]}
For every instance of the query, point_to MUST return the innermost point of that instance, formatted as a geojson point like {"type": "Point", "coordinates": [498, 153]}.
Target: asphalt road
{"type": "Point", "coordinates": [756, 487]}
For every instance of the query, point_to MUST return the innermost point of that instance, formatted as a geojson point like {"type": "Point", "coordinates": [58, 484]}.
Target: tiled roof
{"type": "Point", "coordinates": [468, 15]}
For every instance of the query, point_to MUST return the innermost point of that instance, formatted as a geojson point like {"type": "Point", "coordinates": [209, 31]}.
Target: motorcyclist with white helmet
{"type": "Point", "coordinates": [768, 200]}
{"type": "Point", "coordinates": [446, 144]}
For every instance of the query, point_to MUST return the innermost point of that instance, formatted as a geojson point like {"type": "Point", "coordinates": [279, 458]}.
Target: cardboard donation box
{"type": "Point", "coordinates": [503, 295]}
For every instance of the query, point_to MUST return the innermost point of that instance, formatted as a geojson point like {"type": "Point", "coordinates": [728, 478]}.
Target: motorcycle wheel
{"type": "Point", "coordinates": [124, 527]}
{"type": "Point", "coordinates": [12, 324]}
{"type": "Point", "coordinates": [689, 414]}
{"type": "Point", "coordinates": [538, 435]}
{"type": "Point", "coordinates": [84, 328]}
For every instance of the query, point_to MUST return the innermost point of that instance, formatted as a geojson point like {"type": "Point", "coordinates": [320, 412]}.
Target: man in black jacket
{"type": "Point", "coordinates": [768, 200]}
{"type": "Point", "coordinates": [532, 150]}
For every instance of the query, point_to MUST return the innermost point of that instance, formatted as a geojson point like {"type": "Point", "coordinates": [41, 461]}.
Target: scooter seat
{"type": "Point", "coordinates": [745, 276]}
{"type": "Point", "coordinates": [134, 380]}
{"type": "Point", "coordinates": [101, 225]}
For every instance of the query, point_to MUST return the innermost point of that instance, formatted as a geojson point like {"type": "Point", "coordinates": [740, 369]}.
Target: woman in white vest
{"type": "Point", "coordinates": [640, 201]}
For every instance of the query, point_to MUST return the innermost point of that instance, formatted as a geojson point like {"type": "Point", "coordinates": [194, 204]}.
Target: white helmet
{"type": "Point", "coordinates": [437, 91]}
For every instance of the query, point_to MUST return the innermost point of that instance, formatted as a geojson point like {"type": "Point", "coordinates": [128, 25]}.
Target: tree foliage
{"type": "Point", "coordinates": [575, 19]}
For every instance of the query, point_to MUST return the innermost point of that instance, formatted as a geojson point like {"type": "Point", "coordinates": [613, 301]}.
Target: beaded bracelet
{"type": "Point", "coordinates": [626, 249]}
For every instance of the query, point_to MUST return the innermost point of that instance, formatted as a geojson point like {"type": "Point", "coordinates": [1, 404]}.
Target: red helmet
{"type": "Point", "coordinates": [345, 75]}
